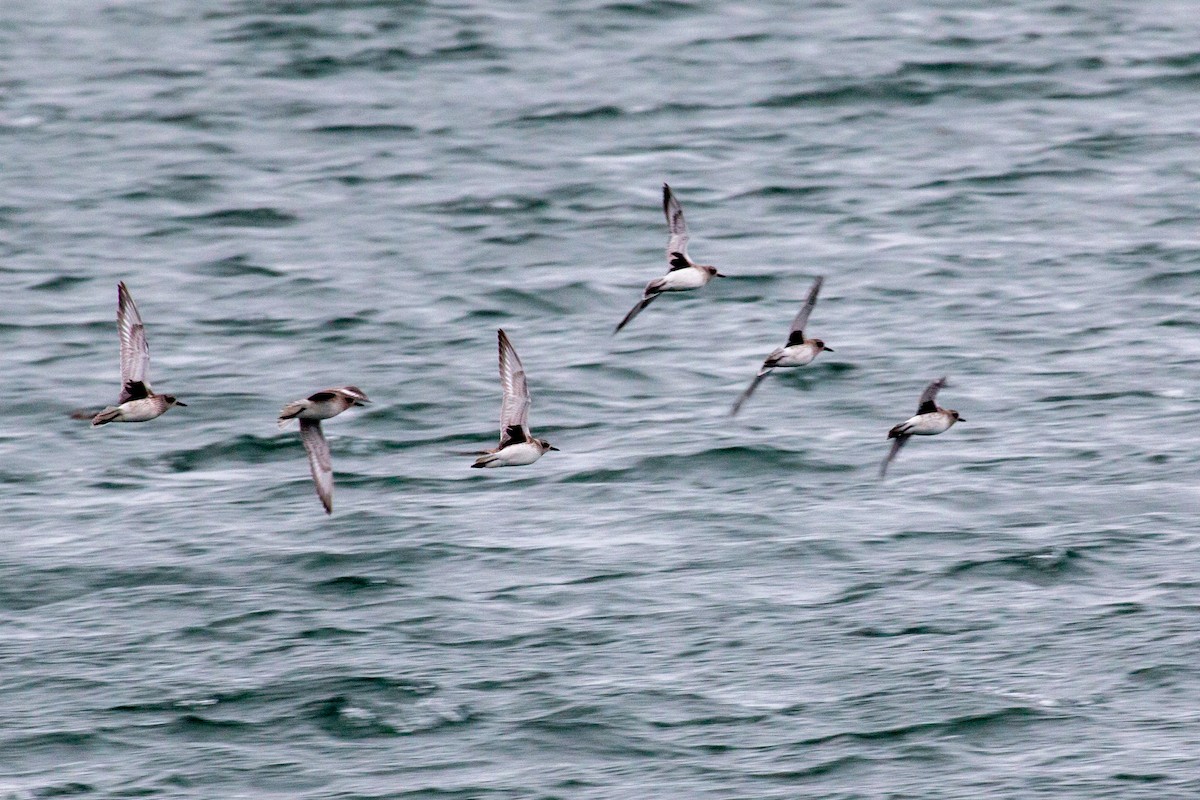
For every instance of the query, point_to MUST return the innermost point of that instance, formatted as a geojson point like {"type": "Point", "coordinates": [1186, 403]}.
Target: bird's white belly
{"type": "Point", "coordinates": [141, 410]}
{"type": "Point", "coordinates": [684, 279]}
{"type": "Point", "coordinates": [799, 355]}
{"type": "Point", "coordinates": [322, 410]}
{"type": "Point", "coordinates": [927, 424]}
{"type": "Point", "coordinates": [516, 455]}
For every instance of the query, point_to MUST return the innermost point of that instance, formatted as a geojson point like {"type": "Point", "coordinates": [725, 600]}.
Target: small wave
{"type": "Point", "coordinates": [603, 112]}
{"type": "Point", "coordinates": [498, 204]}
{"type": "Point", "coordinates": [267, 30]}
{"type": "Point", "coordinates": [651, 8]}
{"type": "Point", "coordinates": [1139, 777]}
{"type": "Point", "coordinates": [1042, 567]}
{"type": "Point", "coordinates": [321, 561]}
{"type": "Point", "coordinates": [355, 716]}
{"type": "Point", "coordinates": [195, 120]}
{"type": "Point", "coordinates": [875, 632]}
{"type": "Point", "coordinates": [918, 83]}
{"type": "Point", "coordinates": [184, 188]}
{"type": "Point", "coordinates": [59, 283]}
{"type": "Point", "coordinates": [1002, 178]}
{"type": "Point", "coordinates": [1092, 397]}
{"type": "Point", "coordinates": [262, 217]}
{"type": "Point", "coordinates": [744, 459]}
{"type": "Point", "coordinates": [384, 59]}
{"type": "Point", "coordinates": [509, 303]}
{"type": "Point", "coordinates": [195, 725]}
{"type": "Point", "coordinates": [238, 266]}
{"type": "Point", "coordinates": [245, 449]}
{"type": "Point", "coordinates": [816, 770]}
{"type": "Point", "coordinates": [351, 585]}
{"type": "Point", "coordinates": [988, 722]}
{"type": "Point", "coordinates": [64, 789]}
{"type": "Point", "coordinates": [1171, 279]}
{"type": "Point", "coordinates": [380, 130]}
{"type": "Point", "coordinates": [777, 190]}
{"type": "Point", "coordinates": [906, 92]}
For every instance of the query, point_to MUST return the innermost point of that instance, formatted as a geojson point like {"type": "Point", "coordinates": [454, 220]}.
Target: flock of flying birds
{"type": "Point", "coordinates": [137, 402]}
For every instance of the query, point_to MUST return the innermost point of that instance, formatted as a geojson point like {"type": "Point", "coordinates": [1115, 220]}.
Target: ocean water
{"type": "Point", "coordinates": [305, 193]}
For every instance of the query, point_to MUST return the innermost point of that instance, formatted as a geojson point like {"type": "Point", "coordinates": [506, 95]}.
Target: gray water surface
{"type": "Point", "coordinates": [306, 194]}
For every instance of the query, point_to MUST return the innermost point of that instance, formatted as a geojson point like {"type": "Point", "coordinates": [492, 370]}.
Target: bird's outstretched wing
{"type": "Point", "coordinates": [796, 333]}
{"type": "Point", "coordinates": [319, 460]}
{"type": "Point", "coordinates": [633, 312]}
{"type": "Point", "coordinates": [514, 410]}
{"type": "Point", "coordinates": [927, 404]}
{"type": "Point", "coordinates": [677, 254]}
{"type": "Point", "coordinates": [897, 443]}
{"type": "Point", "coordinates": [135, 352]}
{"type": "Point", "coordinates": [737, 406]}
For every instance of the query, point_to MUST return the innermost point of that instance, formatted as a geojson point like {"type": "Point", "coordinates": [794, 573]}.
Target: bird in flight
{"type": "Point", "coordinates": [684, 274]}
{"type": "Point", "coordinates": [798, 352]}
{"type": "Point", "coordinates": [310, 411]}
{"type": "Point", "coordinates": [930, 420]}
{"type": "Point", "coordinates": [518, 446]}
{"type": "Point", "coordinates": [137, 401]}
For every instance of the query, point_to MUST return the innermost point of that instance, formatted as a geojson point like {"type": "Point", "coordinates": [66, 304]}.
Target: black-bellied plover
{"type": "Point", "coordinates": [310, 411]}
{"type": "Point", "coordinates": [517, 445]}
{"type": "Point", "coordinates": [930, 420]}
{"type": "Point", "coordinates": [684, 273]}
{"type": "Point", "coordinates": [137, 401]}
{"type": "Point", "coordinates": [798, 352]}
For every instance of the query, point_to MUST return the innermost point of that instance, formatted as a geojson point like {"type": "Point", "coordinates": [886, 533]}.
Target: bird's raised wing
{"type": "Point", "coordinates": [677, 255]}
{"type": "Point", "coordinates": [319, 460]}
{"type": "Point", "coordinates": [796, 333]}
{"type": "Point", "coordinates": [514, 410]}
{"type": "Point", "coordinates": [927, 404]}
{"type": "Point", "coordinates": [135, 352]}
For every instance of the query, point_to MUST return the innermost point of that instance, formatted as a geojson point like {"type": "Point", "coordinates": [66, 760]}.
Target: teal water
{"type": "Point", "coordinates": [305, 194]}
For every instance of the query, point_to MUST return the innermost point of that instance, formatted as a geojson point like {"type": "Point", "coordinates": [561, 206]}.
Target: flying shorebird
{"type": "Point", "coordinates": [684, 274]}
{"type": "Point", "coordinates": [931, 419]}
{"type": "Point", "coordinates": [310, 411]}
{"type": "Point", "coordinates": [798, 352]}
{"type": "Point", "coordinates": [517, 445]}
{"type": "Point", "coordinates": [137, 401]}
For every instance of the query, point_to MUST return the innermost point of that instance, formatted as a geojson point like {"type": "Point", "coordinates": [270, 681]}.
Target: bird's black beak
{"type": "Point", "coordinates": [721, 275]}
{"type": "Point", "coordinates": [181, 403]}
{"type": "Point", "coordinates": [828, 349]}
{"type": "Point", "coordinates": [555, 449]}
{"type": "Point", "coordinates": [962, 419]}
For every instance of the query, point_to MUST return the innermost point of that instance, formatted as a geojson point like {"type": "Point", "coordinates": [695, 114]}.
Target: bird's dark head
{"type": "Point", "coordinates": [954, 414]}
{"type": "Point", "coordinates": [713, 272]}
{"type": "Point", "coordinates": [172, 401]}
{"type": "Point", "coordinates": [355, 395]}
{"type": "Point", "coordinates": [547, 446]}
{"type": "Point", "coordinates": [821, 345]}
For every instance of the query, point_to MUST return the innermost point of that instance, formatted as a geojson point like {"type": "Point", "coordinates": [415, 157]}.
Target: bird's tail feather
{"type": "Point", "coordinates": [107, 415]}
